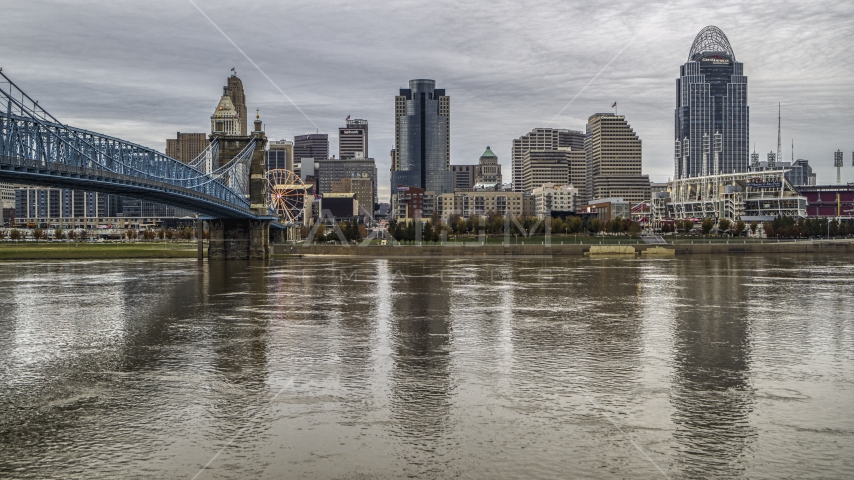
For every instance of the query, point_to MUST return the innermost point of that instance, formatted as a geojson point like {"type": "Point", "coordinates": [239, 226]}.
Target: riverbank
{"type": "Point", "coordinates": [83, 250]}
{"type": "Point", "coordinates": [556, 250]}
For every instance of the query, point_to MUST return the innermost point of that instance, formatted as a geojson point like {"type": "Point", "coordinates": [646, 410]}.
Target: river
{"type": "Point", "coordinates": [693, 367]}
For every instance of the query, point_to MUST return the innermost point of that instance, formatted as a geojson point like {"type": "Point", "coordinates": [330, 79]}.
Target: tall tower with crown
{"type": "Point", "coordinates": [225, 119]}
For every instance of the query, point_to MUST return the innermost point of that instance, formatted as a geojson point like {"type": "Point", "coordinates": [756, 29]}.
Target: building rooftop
{"type": "Point", "coordinates": [488, 153]}
{"type": "Point", "coordinates": [711, 40]}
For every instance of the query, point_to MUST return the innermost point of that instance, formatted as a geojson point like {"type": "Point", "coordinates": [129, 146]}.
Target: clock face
{"type": "Point", "coordinates": [220, 107]}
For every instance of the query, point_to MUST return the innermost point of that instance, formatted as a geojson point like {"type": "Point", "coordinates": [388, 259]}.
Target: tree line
{"type": "Point", "coordinates": [435, 229]}
{"type": "Point", "coordinates": [351, 230]}
{"type": "Point", "coordinates": [791, 227]}
{"type": "Point", "coordinates": [37, 234]}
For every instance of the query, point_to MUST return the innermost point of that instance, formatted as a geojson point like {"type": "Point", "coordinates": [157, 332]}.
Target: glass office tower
{"type": "Point", "coordinates": [712, 116]}
{"type": "Point", "coordinates": [422, 127]}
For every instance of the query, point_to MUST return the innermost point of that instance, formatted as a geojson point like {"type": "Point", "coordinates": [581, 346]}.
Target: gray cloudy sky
{"type": "Point", "coordinates": [145, 70]}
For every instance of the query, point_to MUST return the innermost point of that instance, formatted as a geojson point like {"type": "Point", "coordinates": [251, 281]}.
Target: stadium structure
{"type": "Point", "coordinates": [750, 196]}
{"type": "Point", "coordinates": [712, 176]}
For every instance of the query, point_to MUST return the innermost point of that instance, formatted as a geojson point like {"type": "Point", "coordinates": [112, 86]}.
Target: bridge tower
{"type": "Point", "coordinates": [233, 238]}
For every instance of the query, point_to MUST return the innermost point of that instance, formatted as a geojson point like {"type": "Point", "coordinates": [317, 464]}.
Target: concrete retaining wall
{"type": "Point", "coordinates": [559, 250]}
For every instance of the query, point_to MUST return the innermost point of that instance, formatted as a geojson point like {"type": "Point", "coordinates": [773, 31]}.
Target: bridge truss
{"type": "Point", "coordinates": [38, 149]}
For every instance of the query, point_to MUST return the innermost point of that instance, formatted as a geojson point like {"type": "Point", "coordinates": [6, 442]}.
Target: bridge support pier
{"type": "Point", "coordinates": [245, 239]}
{"type": "Point", "coordinates": [238, 239]}
{"type": "Point", "coordinates": [278, 235]}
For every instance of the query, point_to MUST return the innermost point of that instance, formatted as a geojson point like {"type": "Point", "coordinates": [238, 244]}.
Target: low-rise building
{"type": "Point", "coordinates": [469, 204]}
{"type": "Point", "coordinates": [550, 198]}
{"type": "Point", "coordinates": [408, 203]}
{"type": "Point", "coordinates": [341, 206]}
{"type": "Point", "coordinates": [8, 217]}
{"type": "Point", "coordinates": [606, 209]}
{"type": "Point", "coordinates": [529, 205]}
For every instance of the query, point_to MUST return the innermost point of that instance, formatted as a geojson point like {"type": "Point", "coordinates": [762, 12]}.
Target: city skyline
{"type": "Point", "coordinates": [505, 83]}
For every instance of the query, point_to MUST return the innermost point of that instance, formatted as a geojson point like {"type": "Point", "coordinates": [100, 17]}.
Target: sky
{"type": "Point", "coordinates": [143, 71]}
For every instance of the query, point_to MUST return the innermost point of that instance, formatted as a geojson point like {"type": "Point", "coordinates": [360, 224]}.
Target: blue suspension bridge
{"type": "Point", "coordinates": [225, 182]}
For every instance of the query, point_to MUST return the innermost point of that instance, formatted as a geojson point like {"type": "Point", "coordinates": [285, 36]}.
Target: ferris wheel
{"type": "Point", "coordinates": [286, 194]}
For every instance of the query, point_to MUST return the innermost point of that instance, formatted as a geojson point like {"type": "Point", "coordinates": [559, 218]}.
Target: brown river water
{"type": "Point", "coordinates": [694, 367]}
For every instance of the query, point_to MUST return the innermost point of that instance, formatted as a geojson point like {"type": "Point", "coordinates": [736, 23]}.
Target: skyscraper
{"type": "Point", "coordinates": [543, 139]}
{"type": "Point", "coordinates": [613, 153]}
{"type": "Point", "coordinates": [186, 146]}
{"type": "Point", "coordinates": [235, 91]}
{"type": "Point", "coordinates": [422, 154]}
{"type": "Point", "coordinates": [315, 145]}
{"type": "Point", "coordinates": [353, 138]}
{"type": "Point", "coordinates": [711, 99]}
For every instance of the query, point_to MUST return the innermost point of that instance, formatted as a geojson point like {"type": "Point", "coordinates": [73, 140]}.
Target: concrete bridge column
{"type": "Point", "coordinates": [259, 239]}
{"type": "Point", "coordinates": [238, 239]}
{"type": "Point", "coordinates": [277, 235]}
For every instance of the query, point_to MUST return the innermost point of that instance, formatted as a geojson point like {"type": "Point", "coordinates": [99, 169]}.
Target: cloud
{"type": "Point", "coordinates": [142, 71]}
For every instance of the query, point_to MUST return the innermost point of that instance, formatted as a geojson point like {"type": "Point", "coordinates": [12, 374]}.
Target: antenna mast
{"type": "Point", "coordinates": [779, 143]}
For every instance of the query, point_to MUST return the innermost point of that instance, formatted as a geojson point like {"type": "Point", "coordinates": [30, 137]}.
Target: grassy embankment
{"type": "Point", "coordinates": [561, 239]}
{"type": "Point", "coordinates": [11, 250]}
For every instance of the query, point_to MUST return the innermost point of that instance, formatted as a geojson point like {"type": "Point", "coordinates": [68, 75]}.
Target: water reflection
{"type": "Point", "coordinates": [712, 393]}
{"type": "Point", "coordinates": [486, 368]}
{"type": "Point", "coordinates": [421, 384]}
